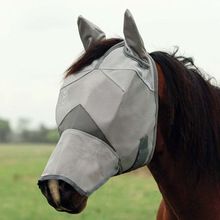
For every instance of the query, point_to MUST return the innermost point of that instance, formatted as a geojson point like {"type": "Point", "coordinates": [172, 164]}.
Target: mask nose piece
{"type": "Point", "coordinates": [82, 161]}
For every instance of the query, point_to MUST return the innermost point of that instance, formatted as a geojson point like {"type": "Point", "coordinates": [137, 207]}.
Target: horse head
{"type": "Point", "coordinates": [106, 116]}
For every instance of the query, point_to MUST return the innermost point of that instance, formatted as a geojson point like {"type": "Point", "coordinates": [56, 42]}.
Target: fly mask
{"type": "Point", "coordinates": [106, 113]}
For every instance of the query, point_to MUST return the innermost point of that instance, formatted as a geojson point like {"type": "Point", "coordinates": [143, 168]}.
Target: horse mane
{"type": "Point", "coordinates": [193, 131]}
{"type": "Point", "coordinates": [193, 104]}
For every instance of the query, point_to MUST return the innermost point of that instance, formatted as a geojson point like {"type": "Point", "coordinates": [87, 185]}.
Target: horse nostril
{"type": "Point", "coordinates": [71, 200]}
{"type": "Point", "coordinates": [70, 197]}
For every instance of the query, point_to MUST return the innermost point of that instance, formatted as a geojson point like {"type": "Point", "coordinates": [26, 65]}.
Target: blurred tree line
{"type": "Point", "coordinates": [23, 133]}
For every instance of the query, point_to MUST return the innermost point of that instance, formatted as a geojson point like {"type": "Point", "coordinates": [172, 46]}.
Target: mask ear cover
{"type": "Point", "coordinates": [92, 160]}
{"type": "Point", "coordinates": [89, 32]}
{"type": "Point", "coordinates": [133, 39]}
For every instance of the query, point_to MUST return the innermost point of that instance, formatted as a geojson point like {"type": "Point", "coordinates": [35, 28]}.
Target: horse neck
{"type": "Point", "coordinates": [184, 200]}
{"type": "Point", "coordinates": [200, 201]}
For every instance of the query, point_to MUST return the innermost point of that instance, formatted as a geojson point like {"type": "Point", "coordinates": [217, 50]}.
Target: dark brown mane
{"type": "Point", "coordinates": [93, 53]}
{"type": "Point", "coordinates": [194, 109]}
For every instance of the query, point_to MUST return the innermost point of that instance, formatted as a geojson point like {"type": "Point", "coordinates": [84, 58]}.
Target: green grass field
{"type": "Point", "coordinates": [129, 196]}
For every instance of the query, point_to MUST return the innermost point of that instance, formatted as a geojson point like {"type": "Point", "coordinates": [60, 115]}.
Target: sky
{"type": "Point", "coordinates": [39, 40]}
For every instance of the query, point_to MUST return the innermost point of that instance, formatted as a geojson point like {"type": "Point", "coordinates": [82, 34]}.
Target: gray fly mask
{"type": "Point", "coordinates": [106, 113]}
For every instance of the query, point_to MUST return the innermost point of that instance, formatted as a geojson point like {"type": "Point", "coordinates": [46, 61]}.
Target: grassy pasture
{"type": "Point", "coordinates": [129, 196]}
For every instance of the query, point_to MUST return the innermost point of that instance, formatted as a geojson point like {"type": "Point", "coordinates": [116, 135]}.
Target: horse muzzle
{"type": "Point", "coordinates": [79, 165]}
{"type": "Point", "coordinates": [62, 196]}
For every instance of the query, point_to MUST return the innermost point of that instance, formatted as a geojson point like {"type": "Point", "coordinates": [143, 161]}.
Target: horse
{"type": "Point", "coordinates": [186, 159]}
